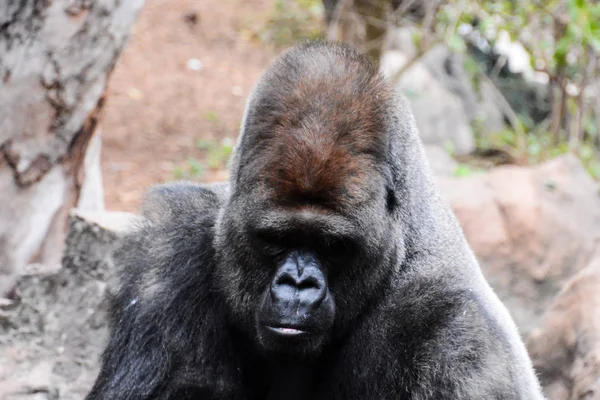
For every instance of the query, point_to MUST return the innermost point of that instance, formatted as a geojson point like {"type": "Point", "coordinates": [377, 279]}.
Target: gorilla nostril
{"type": "Point", "coordinates": [309, 283]}
{"type": "Point", "coordinates": [300, 283]}
{"type": "Point", "coordinates": [286, 279]}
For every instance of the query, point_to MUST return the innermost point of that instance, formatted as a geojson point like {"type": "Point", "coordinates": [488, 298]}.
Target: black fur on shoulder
{"type": "Point", "coordinates": [167, 324]}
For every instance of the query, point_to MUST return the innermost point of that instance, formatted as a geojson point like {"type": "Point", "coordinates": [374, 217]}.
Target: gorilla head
{"type": "Point", "coordinates": [311, 208]}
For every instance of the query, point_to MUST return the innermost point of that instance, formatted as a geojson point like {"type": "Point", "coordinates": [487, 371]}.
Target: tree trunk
{"type": "Point", "coordinates": [55, 60]}
{"type": "Point", "coordinates": [360, 22]}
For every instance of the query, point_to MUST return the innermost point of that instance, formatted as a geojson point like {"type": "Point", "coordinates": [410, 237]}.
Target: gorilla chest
{"type": "Point", "coordinates": [322, 383]}
{"type": "Point", "coordinates": [293, 383]}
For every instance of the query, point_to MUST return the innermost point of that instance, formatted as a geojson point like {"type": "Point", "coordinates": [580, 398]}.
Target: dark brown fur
{"type": "Point", "coordinates": [322, 151]}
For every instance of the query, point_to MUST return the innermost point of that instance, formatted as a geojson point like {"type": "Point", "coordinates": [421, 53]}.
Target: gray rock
{"type": "Point", "coordinates": [439, 113]}
{"type": "Point", "coordinates": [440, 162]}
{"type": "Point", "coordinates": [531, 228]}
{"type": "Point", "coordinates": [448, 68]}
{"type": "Point", "coordinates": [52, 330]}
{"type": "Point", "coordinates": [565, 349]}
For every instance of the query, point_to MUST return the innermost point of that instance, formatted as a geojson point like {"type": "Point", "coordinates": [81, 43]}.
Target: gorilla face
{"type": "Point", "coordinates": [305, 258]}
{"type": "Point", "coordinates": [305, 251]}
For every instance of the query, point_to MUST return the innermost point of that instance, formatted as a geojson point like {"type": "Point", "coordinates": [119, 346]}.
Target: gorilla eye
{"type": "Point", "coordinates": [267, 237]}
{"type": "Point", "coordinates": [336, 246]}
{"type": "Point", "coordinates": [390, 199]}
{"type": "Point", "coordinates": [270, 242]}
{"type": "Point", "coordinates": [338, 249]}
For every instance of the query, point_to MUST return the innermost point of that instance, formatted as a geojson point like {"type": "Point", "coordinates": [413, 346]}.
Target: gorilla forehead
{"type": "Point", "coordinates": [317, 133]}
{"type": "Point", "coordinates": [309, 219]}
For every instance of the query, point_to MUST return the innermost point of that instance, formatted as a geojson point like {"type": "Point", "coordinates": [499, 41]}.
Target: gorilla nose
{"type": "Point", "coordinates": [302, 286]}
{"type": "Point", "coordinates": [298, 301]}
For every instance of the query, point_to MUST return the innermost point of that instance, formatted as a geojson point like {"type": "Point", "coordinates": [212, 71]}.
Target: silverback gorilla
{"type": "Point", "coordinates": [328, 267]}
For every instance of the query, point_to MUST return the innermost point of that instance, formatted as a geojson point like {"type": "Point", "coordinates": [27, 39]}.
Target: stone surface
{"type": "Point", "coordinates": [52, 329]}
{"type": "Point", "coordinates": [565, 349]}
{"type": "Point", "coordinates": [440, 162]}
{"type": "Point", "coordinates": [439, 113]}
{"type": "Point", "coordinates": [531, 228]}
{"type": "Point", "coordinates": [445, 69]}
{"type": "Point", "coordinates": [448, 68]}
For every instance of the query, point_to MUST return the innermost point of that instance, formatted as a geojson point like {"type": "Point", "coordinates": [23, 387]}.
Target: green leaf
{"type": "Point", "coordinates": [573, 6]}
{"type": "Point", "coordinates": [590, 127]}
{"type": "Point", "coordinates": [417, 36]}
{"type": "Point", "coordinates": [204, 144]}
{"type": "Point", "coordinates": [227, 144]}
{"type": "Point", "coordinates": [178, 173]}
{"type": "Point", "coordinates": [449, 147]}
{"type": "Point", "coordinates": [586, 153]}
{"type": "Point", "coordinates": [457, 44]}
{"type": "Point", "coordinates": [545, 44]}
{"type": "Point", "coordinates": [595, 43]}
{"type": "Point", "coordinates": [560, 53]}
{"type": "Point", "coordinates": [462, 170]}
{"type": "Point", "coordinates": [411, 94]}
{"type": "Point", "coordinates": [470, 65]}
{"type": "Point", "coordinates": [196, 169]}
{"type": "Point", "coordinates": [486, 24]}
{"type": "Point", "coordinates": [534, 148]}
{"type": "Point", "coordinates": [594, 170]}
{"type": "Point", "coordinates": [211, 116]}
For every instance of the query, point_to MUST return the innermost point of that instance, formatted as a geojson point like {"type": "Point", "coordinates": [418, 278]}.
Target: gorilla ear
{"type": "Point", "coordinates": [390, 200]}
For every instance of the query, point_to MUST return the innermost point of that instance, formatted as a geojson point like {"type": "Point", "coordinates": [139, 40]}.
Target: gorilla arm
{"type": "Point", "coordinates": [161, 307]}
{"type": "Point", "coordinates": [430, 343]}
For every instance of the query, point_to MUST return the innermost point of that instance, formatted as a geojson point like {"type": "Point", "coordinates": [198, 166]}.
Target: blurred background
{"type": "Point", "coordinates": [101, 99]}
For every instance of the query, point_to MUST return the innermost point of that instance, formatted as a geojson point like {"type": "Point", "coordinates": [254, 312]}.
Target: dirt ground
{"type": "Point", "coordinates": [158, 107]}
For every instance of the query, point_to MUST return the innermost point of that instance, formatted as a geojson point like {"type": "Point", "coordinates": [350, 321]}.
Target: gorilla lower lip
{"type": "Point", "coordinates": [284, 331]}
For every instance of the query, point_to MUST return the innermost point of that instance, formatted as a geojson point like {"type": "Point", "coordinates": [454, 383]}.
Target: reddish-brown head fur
{"type": "Point", "coordinates": [322, 133]}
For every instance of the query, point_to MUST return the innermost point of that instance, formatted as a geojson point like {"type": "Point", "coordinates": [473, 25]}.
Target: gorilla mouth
{"type": "Point", "coordinates": [287, 331]}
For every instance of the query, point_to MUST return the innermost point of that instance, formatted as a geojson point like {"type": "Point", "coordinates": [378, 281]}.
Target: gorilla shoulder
{"type": "Point", "coordinates": [172, 241]}
{"type": "Point", "coordinates": [173, 199]}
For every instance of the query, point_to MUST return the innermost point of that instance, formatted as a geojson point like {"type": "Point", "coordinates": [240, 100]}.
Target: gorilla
{"type": "Point", "coordinates": [328, 267]}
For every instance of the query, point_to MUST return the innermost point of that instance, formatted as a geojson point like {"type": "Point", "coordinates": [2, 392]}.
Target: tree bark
{"type": "Point", "coordinates": [360, 22]}
{"type": "Point", "coordinates": [55, 59]}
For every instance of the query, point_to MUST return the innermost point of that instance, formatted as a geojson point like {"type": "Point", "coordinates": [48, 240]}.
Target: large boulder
{"type": "Point", "coordinates": [439, 78]}
{"type": "Point", "coordinates": [565, 349]}
{"type": "Point", "coordinates": [53, 327]}
{"type": "Point", "coordinates": [479, 105]}
{"type": "Point", "coordinates": [531, 228]}
{"type": "Point", "coordinates": [438, 112]}
{"type": "Point", "coordinates": [440, 162]}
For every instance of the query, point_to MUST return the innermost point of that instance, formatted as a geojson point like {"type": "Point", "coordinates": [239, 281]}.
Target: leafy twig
{"type": "Point", "coordinates": [508, 111]}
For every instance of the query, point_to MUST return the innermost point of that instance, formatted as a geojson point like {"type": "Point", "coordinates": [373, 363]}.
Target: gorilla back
{"type": "Point", "coordinates": [328, 267]}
